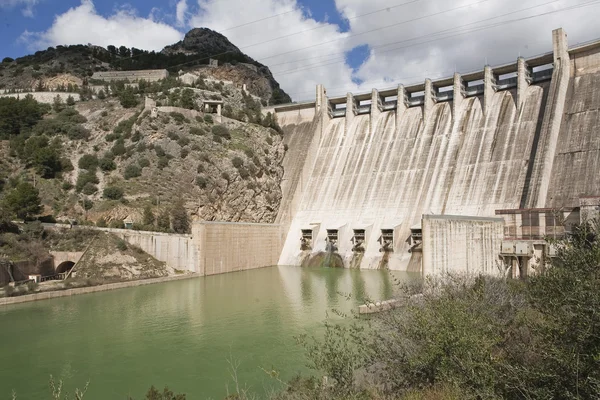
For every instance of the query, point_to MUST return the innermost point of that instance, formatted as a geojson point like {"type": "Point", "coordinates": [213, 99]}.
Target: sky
{"type": "Point", "coordinates": [346, 45]}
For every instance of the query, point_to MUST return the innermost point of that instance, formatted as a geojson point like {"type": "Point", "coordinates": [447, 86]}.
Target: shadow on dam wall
{"type": "Point", "coordinates": [490, 149]}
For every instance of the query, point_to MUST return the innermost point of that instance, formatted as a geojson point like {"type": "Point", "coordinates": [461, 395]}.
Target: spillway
{"type": "Point", "coordinates": [497, 142]}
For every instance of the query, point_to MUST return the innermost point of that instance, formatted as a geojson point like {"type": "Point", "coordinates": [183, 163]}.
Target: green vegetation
{"type": "Point", "coordinates": [179, 218]}
{"type": "Point", "coordinates": [19, 116]}
{"type": "Point", "coordinates": [23, 201]}
{"type": "Point", "coordinates": [132, 171]}
{"type": "Point", "coordinates": [112, 193]}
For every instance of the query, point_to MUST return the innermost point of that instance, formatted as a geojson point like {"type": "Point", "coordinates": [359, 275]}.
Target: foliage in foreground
{"type": "Point", "coordinates": [480, 339]}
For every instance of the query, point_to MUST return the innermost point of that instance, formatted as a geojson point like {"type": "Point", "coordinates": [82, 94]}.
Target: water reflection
{"type": "Point", "coordinates": [178, 333]}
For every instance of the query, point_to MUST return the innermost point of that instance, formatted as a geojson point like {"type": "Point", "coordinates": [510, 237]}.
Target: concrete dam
{"type": "Point", "coordinates": [467, 173]}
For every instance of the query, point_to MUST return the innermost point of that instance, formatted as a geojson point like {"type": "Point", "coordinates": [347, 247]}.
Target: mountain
{"type": "Point", "coordinates": [62, 65]}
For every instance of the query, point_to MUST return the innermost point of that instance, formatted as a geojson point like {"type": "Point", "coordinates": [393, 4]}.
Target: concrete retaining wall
{"type": "Point", "coordinates": [44, 97]}
{"type": "Point", "coordinates": [457, 244]}
{"type": "Point", "coordinates": [93, 289]}
{"type": "Point", "coordinates": [150, 75]}
{"type": "Point", "coordinates": [228, 247]}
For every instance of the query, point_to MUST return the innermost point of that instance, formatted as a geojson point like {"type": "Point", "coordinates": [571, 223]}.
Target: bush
{"type": "Point", "coordinates": [184, 152]}
{"type": "Point", "coordinates": [160, 152]}
{"type": "Point", "coordinates": [237, 162]}
{"type": "Point", "coordinates": [163, 162]}
{"type": "Point", "coordinates": [112, 193]}
{"type": "Point", "coordinates": [201, 182]}
{"type": "Point", "coordinates": [66, 186]}
{"type": "Point", "coordinates": [89, 189]}
{"type": "Point", "coordinates": [116, 224]}
{"type": "Point", "coordinates": [208, 119]}
{"type": "Point", "coordinates": [179, 118]}
{"type": "Point", "coordinates": [121, 245]}
{"type": "Point", "coordinates": [89, 162]}
{"type": "Point", "coordinates": [183, 141]}
{"type": "Point", "coordinates": [173, 136]}
{"type": "Point", "coordinates": [143, 162]}
{"type": "Point", "coordinates": [107, 164]}
{"type": "Point", "coordinates": [101, 223]}
{"type": "Point", "coordinates": [217, 139]}
{"type": "Point", "coordinates": [132, 171]}
{"type": "Point", "coordinates": [118, 148]}
{"type": "Point", "coordinates": [84, 178]}
{"type": "Point", "coordinates": [197, 131]}
{"type": "Point", "coordinates": [127, 98]}
{"type": "Point", "coordinates": [222, 131]}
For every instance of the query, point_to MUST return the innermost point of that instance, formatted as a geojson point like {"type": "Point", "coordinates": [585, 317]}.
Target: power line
{"type": "Point", "coordinates": [377, 29]}
{"type": "Point", "coordinates": [299, 32]}
{"type": "Point", "coordinates": [475, 29]}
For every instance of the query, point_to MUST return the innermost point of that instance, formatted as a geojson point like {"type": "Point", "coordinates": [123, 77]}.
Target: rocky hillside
{"type": "Point", "coordinates": [111, 159]}
{"type": "Point", "coordinates": [56, 68]}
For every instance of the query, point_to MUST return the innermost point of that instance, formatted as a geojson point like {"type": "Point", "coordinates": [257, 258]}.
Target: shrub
{"type": "Point", "coordinates": [116, 224]}
{"type": "Point", "coordinates": [184, 152]}
{"type": "Point", "coordinates": [121, 245]}
{"type": "Point", "coordinates": [127, 98]}
{"type": "Point", "coordinates": [179, 218]}
{"type": "Point", "coordinates": [226, 176]}
{"type": "Point", "coordinates": [84, 178]}
{"type": "Point", "coordinates": [112, 193]}
{"type": "Point", "coordinates": [132, 171]}
{"type": "Point", "coordinates": [249, 153]}
{"type": "Point", "coordinates": [237, 162]}
{"type": "Point", "coordinates": [70, 101]}
{"type": "Point", "coordinates": [89, 162]}
{"type": "Point", "coordinates": [89, 189]}
{"type": "Point", "coordinates": [143, 162]}
{"type": "Point", "coordinates": [101, 223]}
{"type": "Point", "coordinates": [217, 139]}
{"type": "Point", "coordinates": [201, 168]}
{"type": "Point", "coordinates": [222, 131]}
{"type": "Point", "coordinates": [107, 164]}
{"type": "Point", "coordinates": [183, 141]}
{"type": "Point", "coordinates": [173, 136]}
{"type": "Point", "coordinates": [269, 140]}
{"type": "Point", "coordinates": [118, 148]}
{"type": "Point", "coordinates": [163, 162]}
{"type": "Point", "coordinates": [179, 118]}
{"type": "Point", "coordinates": [66, 186]}
{"type": "Point", "coordinates": [201, 182]}
{"type": "Point", "coordinates": [194, 130]}
{"type": "Point", "coordinates": [208, 119]}
{"type": "Point", "coordinates": [136, 136]}
{"type": "Point", "coordinates": [244, 174]}
{"type": "Point", "coordinates": [160, 152]}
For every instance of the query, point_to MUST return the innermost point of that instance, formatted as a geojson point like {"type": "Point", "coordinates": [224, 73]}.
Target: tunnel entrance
{"type": "Point", "coordinates": [64, 267]}
{"type": "Point", "coordinates": [332, 240]}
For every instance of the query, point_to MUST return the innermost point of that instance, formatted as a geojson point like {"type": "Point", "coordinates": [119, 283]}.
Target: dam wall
{"type": "Point", "coordinates": [229, 247]}
{"type": "Point", "coordinates": [515, 136]}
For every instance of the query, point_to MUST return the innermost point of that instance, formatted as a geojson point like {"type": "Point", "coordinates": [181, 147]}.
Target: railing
{"type": "Point", "coordinates": [416, 101]}
{"type": "Point", "coordinates": [474, 90]}
{"type": "Point", "coordinates": [364, 109]}
{"type": "Point", "coordinates": [57, 277]}
{"type": "Point", "coordinates": [544, 75]}
{"type": "Point", "coordinates": [389, 105]}
{"type": "Point", "coordinates": [506, 84]}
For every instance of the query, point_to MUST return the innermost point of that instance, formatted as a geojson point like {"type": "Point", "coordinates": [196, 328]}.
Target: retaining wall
{"type": "Point", "coordinates": [458, 244]}
{"type": "Point", "coordinates": [44, 97]}
{"type": "Point", "coordinates": [228, 247]}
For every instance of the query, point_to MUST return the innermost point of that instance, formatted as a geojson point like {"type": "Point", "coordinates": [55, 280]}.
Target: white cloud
{"type": "Point", "coordinates": [256, 39]}
{"type": "Point", "coordinates": [82, 24]}
{"type": "Point", "coordinates": [181, 12]}
{"type": "Point", "coordinates": [27, 5]}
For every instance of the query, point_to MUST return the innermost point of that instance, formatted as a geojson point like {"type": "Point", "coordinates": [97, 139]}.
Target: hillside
{"type": "Point", "coordinates": [58, 67]}
{"type": "Point", "coordinates": [110, 159]}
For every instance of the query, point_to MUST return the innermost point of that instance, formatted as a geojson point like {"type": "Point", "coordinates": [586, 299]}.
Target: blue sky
{"type": "Point", "coordinates": [347, 45]}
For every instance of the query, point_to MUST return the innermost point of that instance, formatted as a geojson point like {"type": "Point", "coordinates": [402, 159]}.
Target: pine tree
{"type": "Point", "coordinates": [181, 223]}
{"type": "Point", "coordinates": [148, 216]}
{"type": "Point", "coordinates": [163, 221]}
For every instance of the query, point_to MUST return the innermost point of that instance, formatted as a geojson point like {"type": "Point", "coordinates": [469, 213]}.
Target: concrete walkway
{"type": "Point", "coordinates": [91, 289]}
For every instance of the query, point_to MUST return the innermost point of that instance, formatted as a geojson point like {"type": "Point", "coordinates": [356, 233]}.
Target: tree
{"type": "Point", "coordinates": [148, 216]}
{"type": "Point", "coordinates": [23, 201]}
{"type": "Point", "coordinates": [179, 218]}
{"type": "Point", "coordinates": [127, 98]}
{"type": "Point", "coordinates": [163, 221]}
{"type": "Point", "coordinates": [57, 104]}
{"type": "Point", "coordinates": [101, 94]}
{"type": "Point", "coordinates": [70, 101]}
{"type": "Point", "coordinates": [113, 193]}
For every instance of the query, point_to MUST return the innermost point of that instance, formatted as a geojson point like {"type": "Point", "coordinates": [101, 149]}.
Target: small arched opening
{"type": "Point", "coordinates": [64, 267]}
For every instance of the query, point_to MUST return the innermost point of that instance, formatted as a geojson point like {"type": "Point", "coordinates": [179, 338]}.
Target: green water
{"type": "Point", "coordinates": [178, 334]}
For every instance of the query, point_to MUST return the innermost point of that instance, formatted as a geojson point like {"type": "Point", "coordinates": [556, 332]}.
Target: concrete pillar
{"type": "Point", "coordinates": [560, 45]}
{"type": "Point", "coordinates": [458, 96]}
{"type": "Point", "coordinates": [523, 81]}
{"type": "Point", "coordinates": [219, 110]}
{"type": "Point", "coordinates": [429, 99]}
{"type": "Point", "coordinates": [489, 82]}
{"type": "Point", "coordinates": [401, 106]}
{"type": "Point", "coordinates": [322, 109]}
{"type": "Point", "coordinates": [553, 115]}
{"type": "Point", "coordinates": [349, 111]}
{"type": "Point", "coordinates": [375, 111]}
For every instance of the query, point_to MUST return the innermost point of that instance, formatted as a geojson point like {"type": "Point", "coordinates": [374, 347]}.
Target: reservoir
{"type": "Point", "coordinates": [180, 334]}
